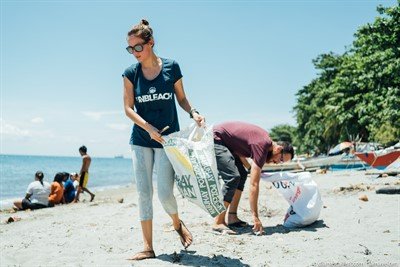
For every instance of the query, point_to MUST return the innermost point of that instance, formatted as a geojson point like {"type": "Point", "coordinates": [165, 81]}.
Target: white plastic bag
{"type": "Point", "coordinates": [301, 192]}
{"type": "Point", "coordinates": [191, 153]}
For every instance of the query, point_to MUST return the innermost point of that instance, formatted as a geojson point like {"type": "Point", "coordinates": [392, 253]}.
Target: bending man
{"type": "Point", "coordinates": [233, 143]}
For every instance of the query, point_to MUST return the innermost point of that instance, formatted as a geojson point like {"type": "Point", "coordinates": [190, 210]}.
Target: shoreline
{"type": "Point", "coordinates": [107, 232]}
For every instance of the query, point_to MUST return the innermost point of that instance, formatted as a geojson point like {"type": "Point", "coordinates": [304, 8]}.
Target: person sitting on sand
{"type": "Point", "coordinates": [69, 189]}
{"type": "Point", "coordinates": [56, 195]}
{"type": "Point", "coordinates": [84, 174]}
{"type": "Point", "coordinates": [36, 195]}
{"type": "Point", "coordinates": [75, 179]}
{"type": "Point", "coordinates": [233, 143]}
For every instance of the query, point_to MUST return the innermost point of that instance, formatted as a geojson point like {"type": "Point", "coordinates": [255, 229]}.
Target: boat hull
{"type": "Point", "coordinates": [378, 161]}
{"type": "Point", "coordinates": [312, 163]}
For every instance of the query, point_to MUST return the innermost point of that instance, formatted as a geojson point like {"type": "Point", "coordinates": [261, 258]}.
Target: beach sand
{"type": "Point", "coordinates": [106, 232]}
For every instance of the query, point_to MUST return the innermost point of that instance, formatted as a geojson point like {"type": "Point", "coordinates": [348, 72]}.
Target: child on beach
{"type": "Point", "coordinates": [69, 189]}
{"type": "Point", "coordinates": [56, 195]}
{"type": "Point", "coordinates": [36, 194]}
{"type": "Point", "coordinates": [150, 88]}
{"type": "Point", "coordinates": [75, 179]}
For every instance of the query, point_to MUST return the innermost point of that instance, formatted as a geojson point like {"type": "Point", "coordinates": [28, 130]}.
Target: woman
{"type": "Point", "coordinates": [149, 89]}
{"type": "Point", "coordinates": [36, 194]}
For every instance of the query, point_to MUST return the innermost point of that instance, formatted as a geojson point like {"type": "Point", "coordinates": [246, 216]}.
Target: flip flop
{"type": "Point", "coordinates": [181, 235]}
{"type": "Point", "coordinates": [224, 230]}
{"type": "Point", "coordinates": [238, 224]}
{"type": "Point", "coordinates": [143, 255]}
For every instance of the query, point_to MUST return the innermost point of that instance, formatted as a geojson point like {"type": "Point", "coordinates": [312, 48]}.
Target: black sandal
{"type": "Point", "coordinates": [238, 224]}
{"type": "Point", "coordinates": [182, 237]}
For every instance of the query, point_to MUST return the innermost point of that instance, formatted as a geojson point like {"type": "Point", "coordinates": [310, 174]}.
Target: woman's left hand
{"type": "Point", "coordinates": [200, 120]}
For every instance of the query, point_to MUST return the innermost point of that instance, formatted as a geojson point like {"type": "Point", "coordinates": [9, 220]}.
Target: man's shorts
{"type": "Point", "coordinates": [84, 179]}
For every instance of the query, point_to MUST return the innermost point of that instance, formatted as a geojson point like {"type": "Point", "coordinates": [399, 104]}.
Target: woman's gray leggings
{"type": "Point", "coordinates": [144, 158]}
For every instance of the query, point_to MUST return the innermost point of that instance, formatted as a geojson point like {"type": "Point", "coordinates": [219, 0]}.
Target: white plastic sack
{"type": "Point", "coordinates": [192, 156]}
{"type": "Point", "coordinates": [301, 192]}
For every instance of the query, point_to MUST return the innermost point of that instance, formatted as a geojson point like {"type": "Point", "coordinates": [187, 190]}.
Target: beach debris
{"type": "Point", "coordinates": [11, 210]}
{"type": "Point", "coordinates": [366, 251]}
{"type": "Point", "coordinates": [363, 198]}
{"type": "Point", "coordinates": [389, 190]}
{"type": "Point", "coordinates": [351, 188]}
{"type": "Point", "coordinates": [320, 171]}
{"type": "Point", "coordinates": [386, 231]}
{"type": "Point", "coordinates": [13, 219]}
{"type": "Point", "coordinates": [120, 200]}
{"type": "Point", "coordinates": [266, 212]}
{"type": "Point", "coordinates": [175, 257]}
{"type": "Point", "coordinates": [325, 207]}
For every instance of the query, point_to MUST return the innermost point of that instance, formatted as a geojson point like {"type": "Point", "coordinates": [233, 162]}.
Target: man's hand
{"type": "Point", "coordinates": [258, 228]}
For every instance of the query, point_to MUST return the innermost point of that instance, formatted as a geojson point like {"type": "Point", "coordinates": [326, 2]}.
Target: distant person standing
{"type": "Point", "coordinates": [84, 174]}
{"type": "Point", "coordinates": [36, 195]}
{"type": "Point", "coordinates": [150, 88]}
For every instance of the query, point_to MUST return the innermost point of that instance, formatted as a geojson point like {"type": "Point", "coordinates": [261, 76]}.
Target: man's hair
{"type": "Point", "coordinates": [83, 149]}
{"type": "Point", "coordinates": [286, 148]}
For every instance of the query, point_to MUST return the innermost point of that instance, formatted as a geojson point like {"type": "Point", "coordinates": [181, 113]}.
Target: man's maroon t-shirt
{"type": "Point", "coordinates": [245, 140]}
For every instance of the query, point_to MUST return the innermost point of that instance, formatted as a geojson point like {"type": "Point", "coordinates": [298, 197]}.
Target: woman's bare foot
{"type": "Point", "coordinates": [185, 236]}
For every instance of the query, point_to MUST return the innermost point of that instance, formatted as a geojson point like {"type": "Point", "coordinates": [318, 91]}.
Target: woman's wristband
{"type": "Point", "coordinates": [193, 110]}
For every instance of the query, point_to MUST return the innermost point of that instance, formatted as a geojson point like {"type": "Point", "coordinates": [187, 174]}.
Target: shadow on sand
{"type": "Point", "coordinates": [280, 229]}
{"type": "Point", "coordinates": [189, 258]}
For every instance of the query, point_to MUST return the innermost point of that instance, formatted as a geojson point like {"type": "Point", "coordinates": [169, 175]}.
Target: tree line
{"type": "Point", "coordinates": [356, 95]}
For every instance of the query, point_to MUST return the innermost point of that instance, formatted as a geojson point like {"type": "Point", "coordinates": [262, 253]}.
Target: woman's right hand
{"type": "Point", "coordinates": [154, 133]}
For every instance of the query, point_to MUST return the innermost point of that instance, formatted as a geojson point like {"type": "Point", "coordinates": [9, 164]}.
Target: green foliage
{"type": "Point", "coordinates": [283, 132]}
{"type": "Point", "coordinates": [386, 134]}
{"type": "Point", "coordinates": [357, 93]}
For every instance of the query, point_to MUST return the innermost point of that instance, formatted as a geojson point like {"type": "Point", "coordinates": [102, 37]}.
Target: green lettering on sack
{"type": "Point", "coordinates": [184, 186]}
{"type": "Point", "coordinates": [212, 182]}
{"type": "Point", "coordinates": [201, 181]}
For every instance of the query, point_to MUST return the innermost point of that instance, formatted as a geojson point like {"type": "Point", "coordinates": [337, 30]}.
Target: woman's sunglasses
{"type": "Point", "coordinates": [135, 48]}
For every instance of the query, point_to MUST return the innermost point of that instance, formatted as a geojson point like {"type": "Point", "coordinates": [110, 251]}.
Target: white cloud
{"type": "Point", "coordinates": [118, 126]}
{"type": "Point", "coordinates": [37, 120]}
{"type": "Point", "coordinates": [97, 115]}
{"type": "Point", "coordinates": [16, 131]}
{"type": "Point", "coordinates": [9, 129]}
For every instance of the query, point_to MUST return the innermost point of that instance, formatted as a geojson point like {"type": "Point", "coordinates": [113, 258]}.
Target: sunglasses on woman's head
{"type": "Point", "coordinates": [135, 48]}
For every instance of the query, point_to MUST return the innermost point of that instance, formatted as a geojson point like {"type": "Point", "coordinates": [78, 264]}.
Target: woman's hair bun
{"type": "Point", "coordinates": [144, 22]}
{"type": "Point", "coordinates": [39, 174]}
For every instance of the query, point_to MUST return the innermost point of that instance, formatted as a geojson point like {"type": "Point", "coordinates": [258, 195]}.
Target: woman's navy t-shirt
{"type": "Point", "coordinates": [154, 101]}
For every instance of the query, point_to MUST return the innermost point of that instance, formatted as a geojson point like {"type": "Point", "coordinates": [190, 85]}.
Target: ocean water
{"type": "Point", "coordinates": [16, 172]}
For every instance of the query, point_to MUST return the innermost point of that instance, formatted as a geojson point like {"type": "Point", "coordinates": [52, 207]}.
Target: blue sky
{"type": "Point", "coordinates": [61, 63]}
